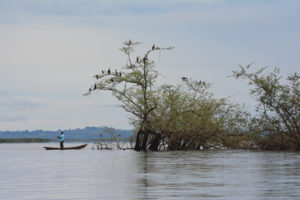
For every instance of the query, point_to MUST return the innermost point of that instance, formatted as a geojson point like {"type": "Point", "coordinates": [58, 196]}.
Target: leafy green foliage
{"type": "Point", "coordinates": [190, 118]}
{"type": "Point", "coordinates": [278, 111]}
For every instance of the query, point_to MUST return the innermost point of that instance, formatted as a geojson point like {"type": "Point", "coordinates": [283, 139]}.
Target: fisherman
{"type": "Point", "coordinates": [61, 139]}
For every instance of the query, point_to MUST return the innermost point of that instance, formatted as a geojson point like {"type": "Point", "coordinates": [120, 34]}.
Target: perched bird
{"type": "Point", "coordinates": [145, 59]}
{"type": "Point", "coordinates": [95, 86]}
{"type": "Point", "coordinates": [111, 80]}
{"type": "Point", "coordinates": [184, 78]}
{"type": "Point", "coordinates": [200, 82]}
{"type": "Point", "coordinates": [102, 71]}
{"type": "Point", "coordinates": [97, 76]}
{"type": "Point", "coordinates": [116, 72]}
{"type": "Point", "coordinates": [153, 47]}
{"type": "Point", "coordinates": [108, 71]}
{"type": "Point", "coordinates": [137, 59]}
{"type": "Point", "coordinates": [90, 89]}
{"type": "Point", "coordinates": [120, 74]}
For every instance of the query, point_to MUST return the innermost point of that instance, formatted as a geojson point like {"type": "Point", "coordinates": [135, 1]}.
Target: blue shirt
{"type": "Point", "coordinates": [62, 137]}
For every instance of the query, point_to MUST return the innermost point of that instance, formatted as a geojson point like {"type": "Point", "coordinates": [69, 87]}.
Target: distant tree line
{"type": "Point", "coordinates": [188, 117]}
{"type": "Point", "coordinates": [24, 140]}
{"type": "Point", "coordinates": [87, 133]}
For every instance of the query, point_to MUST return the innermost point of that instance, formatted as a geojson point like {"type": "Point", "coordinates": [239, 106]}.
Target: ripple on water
{"type": "Point", "coordinates": [29, 172]}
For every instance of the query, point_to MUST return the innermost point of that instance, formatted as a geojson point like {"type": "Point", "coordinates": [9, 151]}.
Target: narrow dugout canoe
{"type": "Point", "coordinates": [66, 148]}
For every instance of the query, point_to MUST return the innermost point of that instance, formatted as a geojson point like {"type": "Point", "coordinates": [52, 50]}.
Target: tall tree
{"type": "Point", "coordinates": [133, 86]}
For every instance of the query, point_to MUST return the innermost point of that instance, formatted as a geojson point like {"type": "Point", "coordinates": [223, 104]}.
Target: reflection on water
{"type": "Point", "coordinates": [29, 172]}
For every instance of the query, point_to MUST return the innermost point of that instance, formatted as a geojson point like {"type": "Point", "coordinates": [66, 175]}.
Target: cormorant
{"type": "Point", "coordinates": [137, 59]}
{"type": "Point", "coordinates": [97, 76]}
{"type": "Point", "coordinates": [90, 89]}
{"type": "Point", "coordinates": [184, 78]}
{"type": "Point", "coordinates": [111, 80]}
{"type": "Point", "coordinates": [108, 71]}
{"type": "Point", "coordinates": [145, 59]}
{"type": "Point", "coordinates": [95, 87]}
{"type": "Point", "coordinates": [102, 71]}
{"type": "Point", "coordinates": [120, 74]}
{"type": "Point", "coordinates": [153, 47]}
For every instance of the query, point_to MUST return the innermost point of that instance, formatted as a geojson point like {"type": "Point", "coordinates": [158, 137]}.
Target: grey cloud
{"type": "Point", "coordinates": [75, 8]}
{"type": "Point", "coordinates": [21, 104]}
{"type": "Point", "coordinates": [11, 119]}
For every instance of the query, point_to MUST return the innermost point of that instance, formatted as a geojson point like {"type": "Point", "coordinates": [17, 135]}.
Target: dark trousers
{"type": "Point", "coordinates": [62, 144]}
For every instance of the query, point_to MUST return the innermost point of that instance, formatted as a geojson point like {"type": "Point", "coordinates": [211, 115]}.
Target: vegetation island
{"type": "Point", "coordinates": [187, 116]}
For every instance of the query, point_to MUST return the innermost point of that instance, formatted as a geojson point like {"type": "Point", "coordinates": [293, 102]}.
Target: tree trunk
{"type": "Point", "coordinates": [155, 142]}
{"type": "Point", "coordinates": [139, 139]}
{"type": "Point", "coordinates": [145, 141]}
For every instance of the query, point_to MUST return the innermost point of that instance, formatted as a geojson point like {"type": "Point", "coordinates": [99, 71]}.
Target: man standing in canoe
{"type": "Point", "coordinates": [61, 139]}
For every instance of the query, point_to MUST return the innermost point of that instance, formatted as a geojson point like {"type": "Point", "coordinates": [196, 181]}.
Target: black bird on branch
{"type": "Point", "coordinates": [137, 59]}
{"type": "Point", "coordinates": [102, 71]}
{"type": "Point", "coordinates": [95, 86]}
{"type": "Point", "coordinates": [97, 77]}
{"type": "Point", "coordinates": [108, 71]}
{"type": "Point", "coordinates": [184, 78]}
{"type": "Point", "coordinates": [111, 80]}
{"type": "Point", "coordinates": [153, 47]}
{"type": "Point", "coordinates": [145, 60]}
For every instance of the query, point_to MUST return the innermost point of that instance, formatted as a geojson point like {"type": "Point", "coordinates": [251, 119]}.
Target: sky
{"type": "Point", "coordinates": [49, 51]}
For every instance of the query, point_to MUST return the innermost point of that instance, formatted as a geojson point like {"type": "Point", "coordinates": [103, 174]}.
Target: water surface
{"type": "Point", "coordinates": [29, 172]}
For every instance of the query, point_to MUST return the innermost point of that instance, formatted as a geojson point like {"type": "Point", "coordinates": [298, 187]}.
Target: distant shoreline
{"type": "Point", "coordinates": [24, 140]}
{"type": "Point", "coordinates": [45, 140]}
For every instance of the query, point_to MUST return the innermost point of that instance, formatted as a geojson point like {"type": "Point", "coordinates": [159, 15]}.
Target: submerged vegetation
{"type": "Point", "coordinates": [277, 121]}
{"type": "Point", "coordinates": [188, 117]}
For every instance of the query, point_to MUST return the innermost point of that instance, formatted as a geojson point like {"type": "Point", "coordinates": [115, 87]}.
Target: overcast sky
{"type": "Point", "coordinates": [49, 51]}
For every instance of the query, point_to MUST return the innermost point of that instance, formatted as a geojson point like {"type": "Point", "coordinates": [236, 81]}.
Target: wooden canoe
{"type": "Point", "coordinates": [66, 148]}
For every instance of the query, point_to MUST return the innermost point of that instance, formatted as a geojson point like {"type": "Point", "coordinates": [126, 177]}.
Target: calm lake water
{"type": "Point", "coordinates": [29, 172]}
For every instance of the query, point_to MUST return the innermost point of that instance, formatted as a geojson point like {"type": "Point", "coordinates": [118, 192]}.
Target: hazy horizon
{"type": "Point", "coordinates": [65, 129]}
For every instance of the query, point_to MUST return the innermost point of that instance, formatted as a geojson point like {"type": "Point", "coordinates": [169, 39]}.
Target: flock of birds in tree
{"type": "Point", "coordinates": [199, 82]}
{"type": "Point", "coordinates": [145, 59]}
{"type": "Point", "coordinates": [108, 72]}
